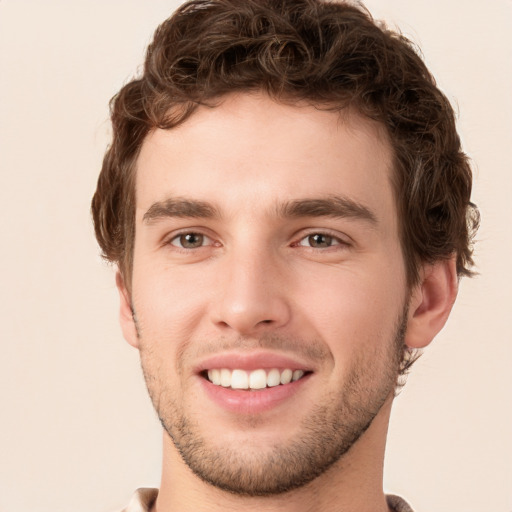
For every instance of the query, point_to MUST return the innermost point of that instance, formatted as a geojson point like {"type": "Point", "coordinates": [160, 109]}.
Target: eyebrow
{"type": "Point", "coordinates": [180, 207]}
{"type": "Point", "coordinates": [331, 206]}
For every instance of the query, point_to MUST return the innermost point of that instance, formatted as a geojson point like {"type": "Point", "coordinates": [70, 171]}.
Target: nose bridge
{"type": "Point", "coordinates": [251, 294]}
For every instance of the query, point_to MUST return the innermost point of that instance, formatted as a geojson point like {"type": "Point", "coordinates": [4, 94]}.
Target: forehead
{"type": "Point", "coordinates": [251, 151]}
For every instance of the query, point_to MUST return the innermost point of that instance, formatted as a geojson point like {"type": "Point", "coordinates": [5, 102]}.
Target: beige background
{"type": "Point", "coordinates": [77, 431]}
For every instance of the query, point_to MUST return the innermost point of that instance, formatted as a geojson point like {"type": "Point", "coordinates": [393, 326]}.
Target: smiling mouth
{"type": "Point", "coordinates": [253, 380]}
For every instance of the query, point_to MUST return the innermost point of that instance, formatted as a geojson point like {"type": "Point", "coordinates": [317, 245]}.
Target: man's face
{"type": "Point", "coordinates": [266, 250]}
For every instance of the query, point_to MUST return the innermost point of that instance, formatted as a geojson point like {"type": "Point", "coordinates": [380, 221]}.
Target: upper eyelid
{"type": "Point", "coordinates": [177, 248]}
{"type": "Point", "coordinates": [207, 242]}
{"type": "Point", "coordinates": [333, 237]}
{"type": "Point", "coordinates": [342, 237]}
{"type": "Point", "coordinates": [190, 233]}
{"type": "Point", "coordinates": [337, 245]}
{"type": "Point", "coordinates": [168, 237]}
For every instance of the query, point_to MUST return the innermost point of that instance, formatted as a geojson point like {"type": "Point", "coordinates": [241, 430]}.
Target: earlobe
{"type": "Point", "coordinates": [431, 302]}
{"type": "Point", "coordinates": [126, 315]}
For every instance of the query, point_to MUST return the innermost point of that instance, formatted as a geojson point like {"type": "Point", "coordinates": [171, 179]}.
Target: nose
{"type": "Point", "coordinates": [252, 296]}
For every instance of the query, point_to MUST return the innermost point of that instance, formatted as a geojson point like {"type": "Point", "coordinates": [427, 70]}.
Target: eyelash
{"type": "Point", "coordinates": [332, 240]}
{"type": "Point", "coordinates": [337, 241]}
{"type": "Point", "coordinates": [189, 233]}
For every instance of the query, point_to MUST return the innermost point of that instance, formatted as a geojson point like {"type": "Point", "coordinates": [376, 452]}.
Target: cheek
{"type": "Point", "coordinates": [351, 309]}
{"type": "Point", "coordinates": [168, 304]}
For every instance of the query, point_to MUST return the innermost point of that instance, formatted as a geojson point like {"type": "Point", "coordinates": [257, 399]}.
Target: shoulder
{"type": "Point", "coordinates": [397, 504]}
{"type": "Point", "coordinates": [142, 500]}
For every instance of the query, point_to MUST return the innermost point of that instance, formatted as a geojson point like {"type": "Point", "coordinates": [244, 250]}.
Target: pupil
{"type": "Point", "coordinates": [320, 240]}
{"type": "Point", "coordinates": [191, 240]}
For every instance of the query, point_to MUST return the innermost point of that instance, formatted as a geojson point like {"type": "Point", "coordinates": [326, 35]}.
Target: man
{"type": "Point", "coordinates": [289, 208]}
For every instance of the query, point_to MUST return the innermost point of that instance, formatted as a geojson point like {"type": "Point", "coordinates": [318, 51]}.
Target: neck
{"type": "Point", "coordinates": [353, 484]}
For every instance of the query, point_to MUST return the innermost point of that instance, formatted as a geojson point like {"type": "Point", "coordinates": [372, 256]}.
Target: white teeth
{"type": "Point", "coordinates": [257, 379]}
{"type": "Point", "coordinates": [297, 374]}
{"type": "Point", "coordinates": [273, 378]}
{"type": "Point", "coordinates": [225, 378]}
{"type": "Point", "coordinates": [239, 379]}
{"type": "Point", "coordinates": [214, 376]}
{"type": "Point", "coordinates": [286, 376]}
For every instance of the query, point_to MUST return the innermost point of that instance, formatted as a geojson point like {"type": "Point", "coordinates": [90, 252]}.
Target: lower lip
{"type": "Point", "coordinates": [252, 402]}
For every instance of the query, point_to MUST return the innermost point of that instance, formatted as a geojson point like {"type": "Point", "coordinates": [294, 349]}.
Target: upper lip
{"type": "Point", "coordinates": [250, 361]}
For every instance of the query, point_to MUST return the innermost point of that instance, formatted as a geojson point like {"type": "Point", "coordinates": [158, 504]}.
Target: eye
{"type": "Point", "coordinates": [319, 241]}
{"type": "Point", "coordinates": [190, 240]}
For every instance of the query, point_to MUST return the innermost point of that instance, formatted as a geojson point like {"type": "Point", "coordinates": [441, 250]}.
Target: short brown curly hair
{"type": "Point", "coordinates": [330, 54]}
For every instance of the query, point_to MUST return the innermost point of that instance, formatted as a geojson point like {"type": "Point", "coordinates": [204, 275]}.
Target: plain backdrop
{"type": "Point", "coordinates": [77, 431]}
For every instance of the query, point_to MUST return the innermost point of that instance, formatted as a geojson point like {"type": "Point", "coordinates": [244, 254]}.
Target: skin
{"type": "Point", "coordinates": [257, 281]}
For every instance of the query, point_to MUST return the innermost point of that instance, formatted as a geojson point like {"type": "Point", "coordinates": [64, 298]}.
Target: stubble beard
{"type": "Point", "coordinates": [328, 432]}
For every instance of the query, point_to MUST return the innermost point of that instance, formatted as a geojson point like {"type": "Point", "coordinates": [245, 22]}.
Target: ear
{"type": "Point", "coordinates": [431, 302]}
{"type": "Point", "coordinates": [126, 315]}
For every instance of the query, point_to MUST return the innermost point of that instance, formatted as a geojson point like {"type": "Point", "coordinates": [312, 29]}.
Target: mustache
{"type": "Point", "coordinates": [311, 350]}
